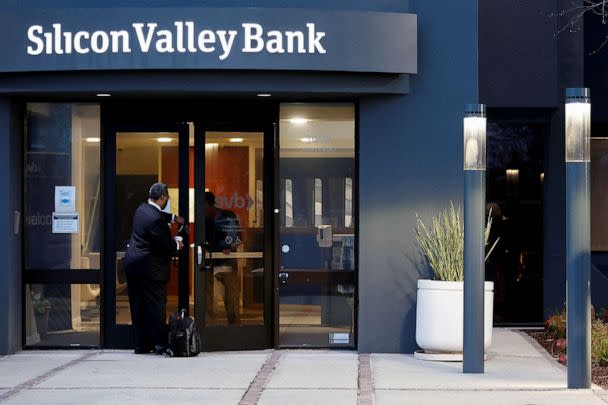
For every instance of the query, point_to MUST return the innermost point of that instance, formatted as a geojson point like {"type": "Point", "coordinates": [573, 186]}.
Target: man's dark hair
{"type": "Point", "coordinates": [157, 191]}
{"type": "Point", "coordinates": [210, 198]}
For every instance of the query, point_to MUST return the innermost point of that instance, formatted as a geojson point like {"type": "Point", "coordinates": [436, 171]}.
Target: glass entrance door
{"type": "Point", "coordinates": [232, 260]}
{"type": "Point", "coordinates": [140, 156]}
{"type": "Point", "coordinates": [317, 275]}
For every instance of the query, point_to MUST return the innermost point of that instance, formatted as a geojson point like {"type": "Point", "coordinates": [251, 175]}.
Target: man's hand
{"type": "Point", "coordinates": [226, 251]}
{"type": "Point", "coordinates": [180, 245]}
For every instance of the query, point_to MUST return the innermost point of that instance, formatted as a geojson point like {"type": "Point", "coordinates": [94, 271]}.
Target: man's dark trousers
{"type": "Point", "coordinates": [147, 265]}
{"type": "Point", "coordinates": [147, 299]}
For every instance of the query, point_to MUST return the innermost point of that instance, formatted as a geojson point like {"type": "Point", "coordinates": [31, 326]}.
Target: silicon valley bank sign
{"type": "Point", "coordinates": [184, 37]}
{"type": "Point", "coordinates": [207, 38]}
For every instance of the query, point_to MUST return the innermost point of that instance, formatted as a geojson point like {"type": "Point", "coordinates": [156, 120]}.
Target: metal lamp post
{"type": "Point", "coordinates": [578, 237]}
{"type": "Point", "coordinates": [474, 243]}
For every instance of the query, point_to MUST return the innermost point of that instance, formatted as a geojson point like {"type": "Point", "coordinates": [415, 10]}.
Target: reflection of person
{"type": "Point", "coordinates": [147, 265]}
{"type": "Point", "coordinates": [222, 233]}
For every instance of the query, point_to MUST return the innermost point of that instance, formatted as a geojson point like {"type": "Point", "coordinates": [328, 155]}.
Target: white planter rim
{"type": "Point", "coordinates": [448, 285]}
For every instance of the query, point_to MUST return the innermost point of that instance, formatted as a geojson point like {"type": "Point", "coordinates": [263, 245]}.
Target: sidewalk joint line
{"type": "Point", "coordinates": [44, 376]}
{"type": "Point", "coordinates": [252, 395]}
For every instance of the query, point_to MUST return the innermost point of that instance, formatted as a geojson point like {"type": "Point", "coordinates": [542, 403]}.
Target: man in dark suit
{"type": "Point", "coordinates": [147, 266]}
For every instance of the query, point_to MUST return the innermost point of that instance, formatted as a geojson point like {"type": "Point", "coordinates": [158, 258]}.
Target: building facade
{"type": "Point", "coordinates": [323, 127]}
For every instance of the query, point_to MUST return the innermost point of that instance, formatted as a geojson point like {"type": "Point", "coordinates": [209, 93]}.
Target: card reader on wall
{"type": "Point", "coordinates": [324, 236]}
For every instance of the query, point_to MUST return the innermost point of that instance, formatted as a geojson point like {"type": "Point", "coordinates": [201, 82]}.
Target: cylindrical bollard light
{"type": "Point", "coordinates": [578, 237]}
{"type": "Point", "coordinates": [474, 243]}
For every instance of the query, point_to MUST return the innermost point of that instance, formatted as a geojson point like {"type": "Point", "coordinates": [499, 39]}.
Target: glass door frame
{"type": "Point", "coordinates": [249, 337]}
{"type": "Point", "coordinates": [115, 335]}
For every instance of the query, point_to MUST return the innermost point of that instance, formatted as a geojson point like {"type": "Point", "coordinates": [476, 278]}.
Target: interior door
{"type": "Point", "coordinates": [232, 253]}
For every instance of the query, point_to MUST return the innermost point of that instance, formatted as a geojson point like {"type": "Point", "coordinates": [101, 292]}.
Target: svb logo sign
{"type": "Point", "coordinates": [235, 201]}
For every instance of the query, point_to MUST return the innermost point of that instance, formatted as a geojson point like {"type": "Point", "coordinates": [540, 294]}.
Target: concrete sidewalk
{"type": "Point", "coordinates": [517, 372]}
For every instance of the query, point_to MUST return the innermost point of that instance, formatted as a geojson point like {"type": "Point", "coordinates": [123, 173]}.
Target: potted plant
{"type": "Point", "coordinates": [42, 308]}
{"type": "Point", "coordinates": [440, 306]}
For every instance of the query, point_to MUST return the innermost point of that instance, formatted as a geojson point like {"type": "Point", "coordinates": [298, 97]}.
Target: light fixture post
{"type": "Point", "coordinates": [578, 237]}
{"type": "Point", "coordinates": [474, 241]}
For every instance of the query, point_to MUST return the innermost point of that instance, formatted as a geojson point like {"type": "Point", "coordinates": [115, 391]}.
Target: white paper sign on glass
{"type": "Point", "coordinates": [65, 199]}
{"type": "Point", "coordinates": [66, 223]}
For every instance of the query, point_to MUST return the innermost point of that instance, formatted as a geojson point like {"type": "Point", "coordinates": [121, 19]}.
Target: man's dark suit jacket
{"type": "Point", "coordinates": [151, 246]}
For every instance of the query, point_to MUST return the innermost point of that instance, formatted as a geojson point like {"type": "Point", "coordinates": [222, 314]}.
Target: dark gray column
{"type": "Point", "coordinates": [474, 270]}
{"type": "Point", "coordinates": [11, 125]}
{"type": "Point", "coordinates": [578, 267]}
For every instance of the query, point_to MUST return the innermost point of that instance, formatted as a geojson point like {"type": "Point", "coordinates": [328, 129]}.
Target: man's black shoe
{"type": "Point", "coordinates": [158, 349]}
{"type": "Point", "coordinates": [140, 350]}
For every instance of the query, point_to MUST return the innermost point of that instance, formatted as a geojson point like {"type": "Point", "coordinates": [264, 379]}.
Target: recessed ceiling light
{"type": "Point", "coordinates": [93, 140]}
{"type": "Point", "coordinates": [164, 140]}
{"type": "Point", "coordinates": [298, 120]}
{"type": "Point", "coordinates": [308, 140]}
{"type": "Point", "coordinates": [264, 94]}
{"type": "Point", "coordinates": [103, 94]}
{"type": "Point", "coordinates": [236, 140]}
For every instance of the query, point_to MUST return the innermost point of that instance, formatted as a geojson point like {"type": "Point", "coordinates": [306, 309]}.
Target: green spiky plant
{"type": "Point", "coordinates": [442, 243]}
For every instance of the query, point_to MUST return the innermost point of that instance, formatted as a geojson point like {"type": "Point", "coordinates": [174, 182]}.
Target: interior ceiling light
{"type": "Point", "coordinates": [308, 140]}
{"type": "Point", "coordinates": [93, 140]}
{"type": "Point", "coordinates": [298, 120]}
{"type": "Point", "coordinates": [164, 140]}
{"type": "Point", "coordinates": [212, 145]}
{"type": "Point", "coordinates": [264, 95]}
{"type": "Point", "coordinates": [236, 140]}
{"type": "Point", "coordinates": [103, 94]}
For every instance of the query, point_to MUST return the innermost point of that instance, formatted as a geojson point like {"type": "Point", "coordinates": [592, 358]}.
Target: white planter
{"type": "Point", "coordinates": [439, 315]}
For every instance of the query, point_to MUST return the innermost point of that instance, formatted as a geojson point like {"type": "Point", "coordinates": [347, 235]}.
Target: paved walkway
{"type": "Point", "coordinates": [517, 372]}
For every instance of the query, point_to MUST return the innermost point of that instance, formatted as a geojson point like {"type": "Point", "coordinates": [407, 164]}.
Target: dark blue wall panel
{"type": "Point", "coordinates": [518, 53]}
{"type": "Point", "coordinates": [411, 162]}
{"type": "Point", "coordinates": [376, 5]}
{"type": "Point", "coordinates": [10, 247]}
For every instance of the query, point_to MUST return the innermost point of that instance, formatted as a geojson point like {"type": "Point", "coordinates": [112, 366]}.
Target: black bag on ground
{"type": "Point", "coordinates": [184, 340]}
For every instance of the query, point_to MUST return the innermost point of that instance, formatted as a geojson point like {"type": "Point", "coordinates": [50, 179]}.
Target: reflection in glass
{"type": "Point", "coordinates": [59, 315]}
{"type": "Point", "coordinates": [348, 202]}
{"type": "Point", "coordinates": [288, 203]}
{"type": "Point", "coordinates": [318, 202]}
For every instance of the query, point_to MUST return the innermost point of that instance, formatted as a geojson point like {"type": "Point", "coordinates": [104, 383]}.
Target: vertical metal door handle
{"type": "Point", "coordinates": [199, 254]}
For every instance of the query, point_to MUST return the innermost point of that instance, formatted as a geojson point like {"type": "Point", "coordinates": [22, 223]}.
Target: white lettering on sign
{"type": "Point", "coordinates": [181, 37]}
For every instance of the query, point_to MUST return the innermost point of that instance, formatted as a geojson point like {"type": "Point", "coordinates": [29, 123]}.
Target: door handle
{"type": "Point", "coordinates": [283, 278]}
{"type": "Point", "coordinates": [201, 251]}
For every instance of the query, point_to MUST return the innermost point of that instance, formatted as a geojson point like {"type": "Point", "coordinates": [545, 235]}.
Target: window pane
{"type": "Point", "coordinates": [234, 228]}
{"type": "Point", "coordinates": [62, 314]}
{"type": "Point", "coordinates": [515, 198]}
{"type": "Point", "coordinates": [134, 176]}
{"type": "Point", "coordinates": [316, 167]}
{"type": "Point", "coordinates": [62, 149]}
